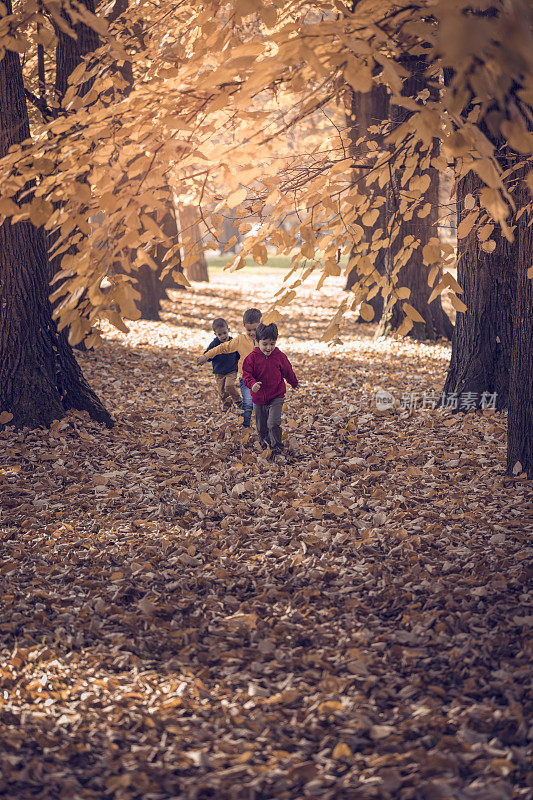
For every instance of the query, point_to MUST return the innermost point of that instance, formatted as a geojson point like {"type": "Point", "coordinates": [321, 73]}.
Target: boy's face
{"type": "Point", "coordinates": [250, 328]}
{"type": "Point", "coordinates": [222, 333]}
{"type": "Point", "coordinates": [266, 345]}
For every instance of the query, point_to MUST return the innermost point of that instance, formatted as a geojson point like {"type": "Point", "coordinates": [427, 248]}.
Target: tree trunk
{"type": "Point", "coordinates": [229, 232]}
{"type": "Point", "coordinates": [367, 109]}
{"type": "Point", "coordinates": [197, 271]}
{"type": "Point", "coordinates": [483, 336]}
{"type": "Point", "coordinates": [414, 273]}
{"type": "Point", "coordinates": [70, 52]}
{"type": "Point", "coordinates": [39, 376]}
{"type": "Point", "coordinates": [149, 283]}
{"type": "Point", "coordinates": [169, 226]}
{"type": "Point", "coordinates": [152, 287]}
{"type": "Point", "coordinates": [520, 417]}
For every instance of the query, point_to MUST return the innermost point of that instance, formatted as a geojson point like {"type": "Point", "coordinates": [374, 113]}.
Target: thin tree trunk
{"type": "Point", "coordinates": [39, 376]}
{"type": "Point", "coordinates": [197, 271]}
{"type": "Point", "coordinates": [229, 232]}
{"type": "Point", "coordinates": [483, 336]}
{"type": "Point", "coordinates": [41, 72]}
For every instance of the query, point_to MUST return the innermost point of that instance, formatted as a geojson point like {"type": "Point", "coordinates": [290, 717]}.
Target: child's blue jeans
{"type": "Point", "coordinates": [247, 405]}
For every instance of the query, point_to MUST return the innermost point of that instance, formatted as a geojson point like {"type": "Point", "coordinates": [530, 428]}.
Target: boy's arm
{"type": "Point", "coordinates": [248, 371]}
{"type": "Point", "coordinates": [230, 346]}
{"type": "Point", "coordinates": [288, 372]}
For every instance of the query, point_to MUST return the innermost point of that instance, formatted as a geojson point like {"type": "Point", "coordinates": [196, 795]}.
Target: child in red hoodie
{"type": "Point", "coordinates": [263, 372]}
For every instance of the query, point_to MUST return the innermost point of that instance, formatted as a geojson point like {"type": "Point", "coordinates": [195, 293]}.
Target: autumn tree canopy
{"type": "Point", "coordinates": [214, 84]}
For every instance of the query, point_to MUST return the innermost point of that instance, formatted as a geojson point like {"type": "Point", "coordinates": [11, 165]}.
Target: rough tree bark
{"type": "Point", "coordinates": [520, 416]}
{"type": "Point", "coordinates": [414, 274]}
{"type": "Point", "coordinates": [189, 223]}
{"type": "Point", "coordinates": [492, 347]}
{"type": "Point", "coordinates": [39, 375]}
{"type": "Point", "coordinates": [483, 336]}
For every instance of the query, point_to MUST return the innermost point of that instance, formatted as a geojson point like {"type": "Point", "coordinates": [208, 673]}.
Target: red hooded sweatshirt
{"type": "Point", "coordinates": [270, 371]}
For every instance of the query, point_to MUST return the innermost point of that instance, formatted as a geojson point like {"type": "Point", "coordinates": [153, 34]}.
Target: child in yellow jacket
{"type": "Point", "coordinates": [243, 344]}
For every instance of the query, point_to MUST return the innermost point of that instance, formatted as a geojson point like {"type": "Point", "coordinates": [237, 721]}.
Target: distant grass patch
{"type": "Point", "coordinates": [217, 263]}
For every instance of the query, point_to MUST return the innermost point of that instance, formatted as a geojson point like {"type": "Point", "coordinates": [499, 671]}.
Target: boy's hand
{"type": "Point", "coordinates": [201, 360]}
{"type": "Point", "coordinates": [256, 386]}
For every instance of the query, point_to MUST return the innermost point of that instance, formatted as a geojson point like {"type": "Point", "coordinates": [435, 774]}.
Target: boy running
{"type": "Point", "coordinates": [224, 366]}
{"type": "Point", "coordinates": [263, 372]}
{"type": "Point", "coordinates": [243, 344]}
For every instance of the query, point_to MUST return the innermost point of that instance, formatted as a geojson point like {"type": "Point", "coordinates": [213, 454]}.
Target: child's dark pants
{"type": "Point", "coordinates": [268, 423]}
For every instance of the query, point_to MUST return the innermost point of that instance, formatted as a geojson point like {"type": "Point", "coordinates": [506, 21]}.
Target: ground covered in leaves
{"type": "Point", "coordinates": [181, 618]}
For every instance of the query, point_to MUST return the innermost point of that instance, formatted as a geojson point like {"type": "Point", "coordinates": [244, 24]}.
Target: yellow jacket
{"type": "Point", "coordinates": [241, 344]}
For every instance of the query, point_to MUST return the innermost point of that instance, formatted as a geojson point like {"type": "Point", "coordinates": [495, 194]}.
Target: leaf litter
{"type": "Point", "coordinates": [183, 618]}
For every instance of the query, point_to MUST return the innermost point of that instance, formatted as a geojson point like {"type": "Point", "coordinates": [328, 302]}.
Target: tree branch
{"type": "Point", "coordinates": [41, 104]}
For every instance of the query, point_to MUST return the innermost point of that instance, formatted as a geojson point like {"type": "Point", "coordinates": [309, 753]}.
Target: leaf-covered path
{"type": "Point", "coordinates": [181, 618]}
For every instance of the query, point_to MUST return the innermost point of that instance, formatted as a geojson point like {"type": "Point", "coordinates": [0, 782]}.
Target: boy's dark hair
{"type": "Point", "coordinates": [219, 323]}
{"type": "Point", "coordinates": [250, 316]}
{"type": "Point", "coordinates": [266, 332]}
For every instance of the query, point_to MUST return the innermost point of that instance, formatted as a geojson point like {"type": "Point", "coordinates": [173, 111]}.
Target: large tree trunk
{"type": "Point", "coordinates": [414, 273]}
{"type": "Point", "coordinates": [520, 418]}
{"type": "Point", "coordinates": [39, 376]}
{"type": "Point", "coordinates": [197, 271]}
{"type": "Point", "coordinates": [483, 336]}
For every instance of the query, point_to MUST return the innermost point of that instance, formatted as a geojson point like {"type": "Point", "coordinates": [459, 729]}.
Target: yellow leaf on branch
{"type": "Point", "coordinates": [366, 312]}
{"type": "Point", "coordinates": [403, 292]}
{"type": "Point", "coordinates": [412, 313]}
{"type": "Point", "coordinates": [456, 302]}
{"type": "Point", "coordinates": [259, 254]}
{"type": "Point", "coordinates": [236, 198]}
{"type": "Point", "coordinates": [466, 224]}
